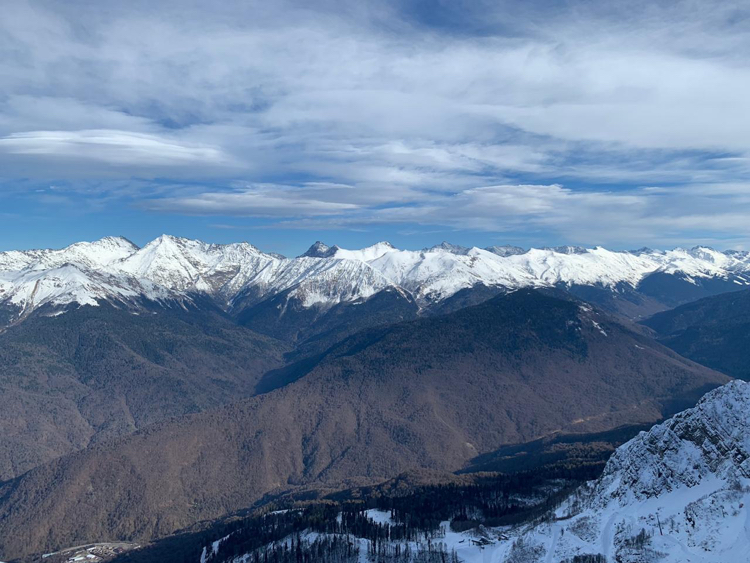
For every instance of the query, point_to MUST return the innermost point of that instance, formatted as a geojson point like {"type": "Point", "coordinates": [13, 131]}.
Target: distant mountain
{"type": "Point", "coordinates": [505, 250]}
{"type": "Point", "coordinates": [431, 393]}
{"type": "Point", "coordinates": [311, 330]}
{"type": "Point", "coordinates": [449, 247]}
{"type": "Point", "coordinates": [96, 373]}
{"type": "Point", "coordinates": [319, 250]}
{"type": "Point", "coordinates": [714, 331]}
{"type": "Point", "coordinates": [238, 276]}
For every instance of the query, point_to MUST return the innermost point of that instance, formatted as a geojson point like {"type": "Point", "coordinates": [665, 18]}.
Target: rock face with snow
{"type": "Point", "coordinates": [711, 440]}
{"type": "Point", "coordinates": [677, 493]}
{"type": "Point", "coordinates": [235, 276]}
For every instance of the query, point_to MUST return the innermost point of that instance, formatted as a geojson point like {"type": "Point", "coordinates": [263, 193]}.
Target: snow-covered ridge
{"type": "Point", "coordinates": [710, 440]}
{"type": "Point", "coordinates": [677, 493]}
{"type": "Point", "coordinates": [115, 270]}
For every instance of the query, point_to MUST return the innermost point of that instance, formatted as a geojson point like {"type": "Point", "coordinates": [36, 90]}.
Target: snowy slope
{"type": "Point", "coordinates": [685, 483]}
{"type": "Point", "coordinates": [97, 254]}
{"type": "Point", "coordinates": [82, 273]}
{"type": "Point", "coordinates": [115, 270]}
{"type": "Point", "coordinates": [679, 493]}
{"type": "Point", "coordinates": [181, 265]}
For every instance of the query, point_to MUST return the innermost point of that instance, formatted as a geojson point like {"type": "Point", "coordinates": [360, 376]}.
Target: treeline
{"type": "Point", "coordinates": [330, 520]}
{"type": "Point", "coordinates": [490, 500]}
{"type": "Point", "coordinates": [324, 549]}
{"type": "Point", "coordinates": [345, 549]}
{"type": "Point", "coordinates": [423, 553]}
{"type": "Point", "coordinates": [594, 558]}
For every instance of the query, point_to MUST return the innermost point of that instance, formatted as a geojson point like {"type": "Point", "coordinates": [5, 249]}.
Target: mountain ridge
{"type": "Point", "coordinates": [713, 331]}
{"type": "Point", "coordinates": [238, 275]}
{"type": "Point", "coordinates": [678, 492]}
{"type": "Point", "coordinates": [96, 373]}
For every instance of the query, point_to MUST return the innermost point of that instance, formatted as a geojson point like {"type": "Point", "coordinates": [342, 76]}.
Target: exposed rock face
{"type": "Point", "coordinates": [710, 440]}
{"type": "Point", "coordinates": [677, 493]}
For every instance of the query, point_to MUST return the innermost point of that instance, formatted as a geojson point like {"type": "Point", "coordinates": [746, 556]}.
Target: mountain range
{"type": "Point", "coordinates": [238, 277]}
{"type": "Point", "coordinates": [96, 373]}
{"type": "Point", "coordinates": [144, 390]}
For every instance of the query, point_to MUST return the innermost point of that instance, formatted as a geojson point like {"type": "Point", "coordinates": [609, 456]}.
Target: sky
{"type": "Point", "coordinates": [537, 123]}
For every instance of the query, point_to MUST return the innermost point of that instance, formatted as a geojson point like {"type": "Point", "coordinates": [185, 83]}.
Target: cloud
{"type": "Point", "coordinates": [536, 212]}
{"type": "Point", "coordinates": [470, 114]}
{"type": "Point", "coordinates": [258, 201]}
{"type": "Point", "coordinates": [114, 147]}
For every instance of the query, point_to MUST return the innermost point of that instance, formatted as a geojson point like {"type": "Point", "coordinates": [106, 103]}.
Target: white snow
{"type": "Point", "coordinates": [689, 475]}
{"type": "Point", "coordinates": [379, 516]}
{"type": "Point", "coordinates": [172, 268]}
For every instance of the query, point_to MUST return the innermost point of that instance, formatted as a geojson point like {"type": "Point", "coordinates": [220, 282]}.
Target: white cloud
{"type": "Point", "coordinates": [259, 201]}
{"type": "Point", "coordinates": [634, 217]}
{"type": "Point", "coordinates": [410, 117]}
{"type": "Point", "coordinates": [114, 147]}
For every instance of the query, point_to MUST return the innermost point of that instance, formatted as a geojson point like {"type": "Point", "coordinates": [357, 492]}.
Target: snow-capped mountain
{"type": "Point", "coordinates": [183, 265]}
{"type": "Point", "coordinates": [234, 275]}
{"type": "Point", "coordinates": [84, 273]}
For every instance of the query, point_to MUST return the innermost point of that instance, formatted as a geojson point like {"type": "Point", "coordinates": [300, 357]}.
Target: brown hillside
{"type": "Point", "coordinates": [97, 372]}
{"type": "Point", "coordinates": [433, 393]}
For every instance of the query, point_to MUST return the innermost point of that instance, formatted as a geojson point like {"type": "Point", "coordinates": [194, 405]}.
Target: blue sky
{"type": "Point", "coordinates": [529, 123]}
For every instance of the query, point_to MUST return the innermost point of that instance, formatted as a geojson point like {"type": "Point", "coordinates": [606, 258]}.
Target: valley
{"type": "Point", "coordinates": [202, 382]}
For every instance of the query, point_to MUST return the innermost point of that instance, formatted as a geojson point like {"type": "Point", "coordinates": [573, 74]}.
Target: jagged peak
{"type": "Point", "coordinates": [166, 239]}
{"type": "Point", "coordinates": [172, 243]}
{"type": "Point", "coordinates": [568, 249]}
{"type": "Point", "coordinates": [643, 250]}
{"type": "Point", "coordinates": [320, 250]}
{"type": "Point", "coordinates": [506, 250]}
{"type": "Point", "coordinates": [449, 247]}
{"type": "Point", "coordinates": [381, 244]}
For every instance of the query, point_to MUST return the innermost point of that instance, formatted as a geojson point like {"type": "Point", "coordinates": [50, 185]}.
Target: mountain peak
{"type": "Point", "coordinates": [449, 247]}
{"type": "Point", "coordinates": [368, 253]}
{"type": "Point", "coordinates": [118, 241]}
{"type": "Point", "coordinates": [567, 249]}
{"type": "Point", "coordinates": [643, 250]}
{"type": "Point", "coordinates": [168, 239]}
{"type": "Point", "coordinates": [506, 250]}
{"type": "Point", "coordinates": [320, 250]}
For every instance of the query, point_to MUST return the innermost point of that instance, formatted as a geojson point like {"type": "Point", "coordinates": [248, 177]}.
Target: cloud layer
{"type": "Point", "coordinates": [590, 123]}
